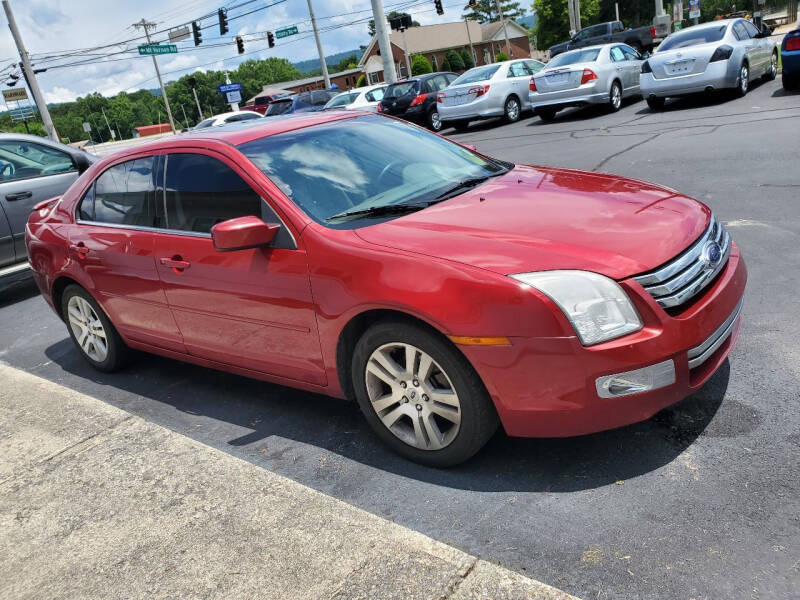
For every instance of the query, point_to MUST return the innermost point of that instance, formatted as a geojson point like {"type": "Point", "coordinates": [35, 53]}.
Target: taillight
{"type": "Point", "coordinates": [646, 67]}
{"type": "Point", "coordinates": [380, 107]}
{"type": "Point", "coordinates": [479, 90]}
{"type": "Point", "coordinates": [792, 43]}
{"type": "Point", "coordinates": [653, 32]}
{"type": "Point", "coordinates": [419, 99]}
{"type": "Point", "coordinates": [722, 53]}
{"type": "Point", "coordinates": [532, 84]}
{"type": "Point", "coordinates": [440, 97]}
{"type": "Point", "coordinates": [588, 75]}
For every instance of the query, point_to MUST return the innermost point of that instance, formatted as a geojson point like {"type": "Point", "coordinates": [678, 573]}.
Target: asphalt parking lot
{"type": "Point", "coordinates": [702, 501]}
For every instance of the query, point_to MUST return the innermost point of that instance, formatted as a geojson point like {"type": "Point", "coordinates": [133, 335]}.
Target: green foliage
{"type": "Point", "coordinates": [553, 25]}
{"type": "Point", "coordinates": [501, 56]}
{"type": "Point", "coordinates": [455, 60]}
{"type": "Point", "coordinates": [362, 81]}
{"type": "Point", "coordinates": [420, 65]}
{"type": "Point", "coordinates": [485, 11]}
{"type": "Point", "coordinates": [389, 15]}
{"type": "Point", "coordinates": [466, 58]}
{"type": "Point", "coordinates": [347, 63]}
{"type": "Point", "coordinates": [446, 65]}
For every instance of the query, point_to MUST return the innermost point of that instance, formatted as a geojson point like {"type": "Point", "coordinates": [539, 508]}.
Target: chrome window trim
{"type": "Point", "coordinates": [700, 354]}
{"type": "Point", "coordinates": [143, 228]}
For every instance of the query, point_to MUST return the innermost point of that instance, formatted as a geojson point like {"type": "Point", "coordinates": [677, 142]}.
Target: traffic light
{"type": "Point", "coordinates": [439, 8]}
{"type": "Point", "coordinates": [223, 21]}
{"type": "Point", "coordinates": [239, 44]}
{"type": "Point", "coordinates": [270, 39]}
{"type": "Point", "coordinates": [198, 35]}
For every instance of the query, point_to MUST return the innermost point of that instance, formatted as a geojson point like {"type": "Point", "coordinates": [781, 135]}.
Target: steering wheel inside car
{"type": "Point", "coordinates": [7, 166]}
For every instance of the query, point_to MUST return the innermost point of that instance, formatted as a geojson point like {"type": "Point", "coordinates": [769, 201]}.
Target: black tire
{"type": "Point", "coordinates": [743, 81]}
{"type": "Point", "coordinates": [460, 125]}
{"type": "Point", "coordinates": [118, 354]}
{"type": "Point", "coordinates": [546, 114]}
{"type": "Point", "coordinates": [512, 109]}
{"type": "Point", "coordinates": [434, 122]}
{"type": "Point", "coordinates": [478, 418]}
{"type": "Point", "coordinates": [789, 82]}
{"type": "Point", "coordinates": [655, 102]}
{"type": "Point", "coordinates": [615, 103]}
{"type": "Point", "coordinates": [772, 72]}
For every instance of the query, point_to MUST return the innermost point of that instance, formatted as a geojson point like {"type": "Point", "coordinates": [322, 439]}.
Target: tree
{"type": "Point", "coordinates": [501, 56]}
{"type": "Point", "coordinates": [347, 63]}
{"type": "Point", "coordinates": [553, 21]}
{"type": "Point", "coordinates": [390, 15]}
{"type": "Point", "coordinates": [362, 81]}
{"type": "Point", "coordinates": [466, 58]}
{"type": "Point", "coordinates": [453, 58]}
{"type": "Point", "coordinates": [420, 65]}
{"type": "Point", "coordinates": [485, 11]}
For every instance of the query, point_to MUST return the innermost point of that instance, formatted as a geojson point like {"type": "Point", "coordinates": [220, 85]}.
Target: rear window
{"type": "Point", "coordinates": [401, 89]}
{"type": "Point", "coordinates": [206, 123]}
{"type": "Point", "coordinates": [693, 37]}
{"type": "Point", "coordinates": [576, 56]}
{"type": "Point", "coordinates": [279, 107]}
{"type": "Point", "coordinates": [477, 74]}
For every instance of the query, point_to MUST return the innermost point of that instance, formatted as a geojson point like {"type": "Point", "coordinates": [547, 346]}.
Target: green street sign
{"type": "Point", "coordinates": [151, 49]}
{"type": "Point", "coordinates": [286, 32]}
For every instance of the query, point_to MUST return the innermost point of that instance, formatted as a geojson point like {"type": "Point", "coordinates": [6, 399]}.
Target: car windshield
{"type": "Point", "coordinates": [279, 107]}
{"type": "Point", "coordinates": [342, 100]}
{"type": "Point", "coordinates": [348, 166]}
{"type": "Point", "coordinates": [400, 89]}
{"type": "Point", "coordinates": [576, 56]}
{"type": "Point", "coordinates": [206, 123]}
{"type": "Point", "coordinates": [693, 37]}
{"type": "Point", "coordinates": [477, 74]}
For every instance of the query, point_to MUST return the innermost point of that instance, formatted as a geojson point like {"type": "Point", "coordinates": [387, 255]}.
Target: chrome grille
{"type": "Point", "coordinates": [688, 273]}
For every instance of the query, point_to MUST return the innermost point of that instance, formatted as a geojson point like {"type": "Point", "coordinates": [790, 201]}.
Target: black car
{"type": "Point", "coordinates": [306, 102]}
{"type": "Point", "coordinates": [414, 99]}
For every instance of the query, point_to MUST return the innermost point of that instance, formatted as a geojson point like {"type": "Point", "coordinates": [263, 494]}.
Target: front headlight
{"type": "Point", "coordinates": [597, 306]}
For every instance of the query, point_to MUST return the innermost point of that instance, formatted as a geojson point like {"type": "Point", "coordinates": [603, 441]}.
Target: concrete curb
{"type": "Point", "coordinates": [97, 503]}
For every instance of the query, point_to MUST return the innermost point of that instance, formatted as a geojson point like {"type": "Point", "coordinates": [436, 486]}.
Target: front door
{"type": "Point", "coordinates": [248, 308]}
{"type": "Point", "coordinates": [30, 173]}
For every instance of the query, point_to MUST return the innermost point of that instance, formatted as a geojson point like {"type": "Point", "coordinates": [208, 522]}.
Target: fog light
{"type": "Point", "coordinates": [636, 381]}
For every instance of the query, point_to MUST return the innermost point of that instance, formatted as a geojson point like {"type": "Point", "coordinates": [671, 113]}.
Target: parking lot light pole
{"type": "Point", "coordinates": [322, 63]}
{"type": "Point", "coordinates": [389, 74]}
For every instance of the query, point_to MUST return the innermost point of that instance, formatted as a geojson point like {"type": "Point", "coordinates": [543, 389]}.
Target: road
{"type": "Point", "coordinates": [702, 501]}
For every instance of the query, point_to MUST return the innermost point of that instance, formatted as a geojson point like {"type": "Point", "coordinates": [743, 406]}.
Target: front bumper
{"type": "Point", "coordinates": [718, 75]}
{"type": "Point", "coordinates": [547, 387]}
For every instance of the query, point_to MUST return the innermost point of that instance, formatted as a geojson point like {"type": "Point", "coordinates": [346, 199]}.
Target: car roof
{"type": "Point", "coordinates": [711, 24]}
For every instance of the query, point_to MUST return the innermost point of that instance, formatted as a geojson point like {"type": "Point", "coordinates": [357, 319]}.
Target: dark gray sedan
{"type": "Point", "coordinates": [32, 169]}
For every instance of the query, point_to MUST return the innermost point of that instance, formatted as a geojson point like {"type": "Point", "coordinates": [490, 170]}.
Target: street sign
{"type": "Point", "coordinates": [87, 127]}
{"type": "Point", "coordinates": [15, 95]}
{"type": "Point", "coordinates": [155, 49]}
{"type": "Point", "coordinates": [224, 88]}
{"type": "Point", "coordinates": [286, 32]}
{"type": "Point", "coordinates": [233, 97]}
{"type": "Point", "coordinates": [21, 112]}
{"type": "Point", "coordinates": [694, 9]}
{"type": "Point", "coordinates": [179, 33]}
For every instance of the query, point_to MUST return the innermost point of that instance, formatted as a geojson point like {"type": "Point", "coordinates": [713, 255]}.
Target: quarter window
{"type": "Point", "coordinates": [122, 195]}
{"type": "Point", "coordinates": [739, 31]}
{"type": "Point", "coordinates": [201, 191]}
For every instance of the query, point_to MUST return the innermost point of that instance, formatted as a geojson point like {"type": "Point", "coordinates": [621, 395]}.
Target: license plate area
{"type": "Point", "coordinates": [681, 67]}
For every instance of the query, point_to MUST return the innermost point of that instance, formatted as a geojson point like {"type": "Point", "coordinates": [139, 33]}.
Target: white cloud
{"type": "Point", "coordinates": [59, 94]}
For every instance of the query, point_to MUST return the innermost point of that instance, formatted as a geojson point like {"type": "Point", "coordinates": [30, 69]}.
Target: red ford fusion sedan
{"type": "Point", "coordinates": [359, 256]}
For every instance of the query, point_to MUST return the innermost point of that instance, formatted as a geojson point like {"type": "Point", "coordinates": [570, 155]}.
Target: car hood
{"type": "Point", "coordinates": [533, 219]}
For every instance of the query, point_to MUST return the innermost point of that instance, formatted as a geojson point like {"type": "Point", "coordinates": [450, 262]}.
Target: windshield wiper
{"type": "Point", "coordinates": [378, 211]}
{"type": "Point", "coordinates": [461, 185]}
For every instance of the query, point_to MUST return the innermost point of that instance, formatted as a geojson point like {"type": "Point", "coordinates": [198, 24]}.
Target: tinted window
{"type": "Point", "coordinates": [122, 195]}
{"type": "Point", "coordinates": [302, 101]}
{"type": "Point", "coordinates": [342, 100]}
{"type": "Point", "coordinates": [751, 29]}
{"type": "Point", "coordinates": [244, 116]}
{"type": "Point", "coordinates": [518, 69]}
{"type": "Point", "coordinates": [279, 107]}
{"type": "Point", "coordinates": [740, 32]}
{"type": "Point", "coordinates": [693, 37]}
{"type": "Point", "coordinates": [20, 160]}
{"type": "Point", "coordinates": [401, 89]}
{"type": "Point", "coordinates": [477, 74]}
{"type": "Point", "coordinates": [320, 98]}
{"type": "Point", "coordinates": [616, 26]}
{"type": "Point", "coordinates": [534, 66]}
{"type": "Point", "coordinates": [630, 53]}
{"type": "Point", "coordinates": [375, 95]}
{"type": "Point", "coordinates": [573, 57]}
{"type": "Point", "coordinates": [617, 54]}
{"type": "Point", "coordinates": [206, 123]}
{"type": "Point", "coordinates": [202, 191]}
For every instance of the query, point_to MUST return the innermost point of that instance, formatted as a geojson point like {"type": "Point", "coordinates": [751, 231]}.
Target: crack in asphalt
{"type": "Point", "coordinates": [623, 151]}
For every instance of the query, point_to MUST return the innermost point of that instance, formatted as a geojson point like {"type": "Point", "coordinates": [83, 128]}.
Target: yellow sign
{"type": "Point", "coordinates": [16, 94]}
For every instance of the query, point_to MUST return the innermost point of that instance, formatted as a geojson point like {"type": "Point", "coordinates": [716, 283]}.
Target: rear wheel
{"type": "Point", "coordinates": [91, 331]}
{"type": "Point", "coordinates": [743, 83]}
{"type": "Point", "coordinates": [434, 121]}
{"type": "Point", "coordinates": [546, 114]}
{"type": "Point", "coordinates": [615, 96]}
{"type": "Point", "coordinates": [420, 395]}
{"type": "Point", "coordinates": [511, 109]}
{"type": "Point", "coordinates": [655, 103]}
{"type": "Point", "coordinates": [772, 71]}
{"type": "Point", "coordinates": [789, 82]}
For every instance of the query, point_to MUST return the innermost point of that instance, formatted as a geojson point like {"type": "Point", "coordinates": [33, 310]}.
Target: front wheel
{"type": "Point", "coordinates": [655, 103]}
{"type": "Point", "coordinates": [434, 121]}
{"type": "Point", "coordinates": [511, 110]}
{"type": "Point", "coordinates": [743, 83]}
{"type": "Point", "coordinates": [420, 395]}
{"type": "Point", "coordinates": [615, 96]}
{"type": "Point", "coordinates": [772, 71]}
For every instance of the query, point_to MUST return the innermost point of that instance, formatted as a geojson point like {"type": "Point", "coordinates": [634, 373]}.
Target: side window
{"type": "Point", "coordinates": [617, 55]}
{"type": "Point", "coordinates": [517, 69]}
{"type": "Point", "coordinates": [751, 29]}
{"type": "Point", "coordinates": [739, 31]}
{"type": "Point", "coordinates": [201, 191]}
{"type": "Point", "coordinates": [21, 160]}
{"type": "Point", "coordinates": [122, 195]}
{"type": "Point", "coordinates": [320, 98]}
{"type": "Point", "coordinates": [375, 95]}
{"type": "Point", "coordinates": [630, 53]}
{"type": "Point", "coordinates": [616, 27]}
{"type": "Point", "coordinates": [303, 100]}
{"type": "Point", "coordinates": [534, 66]}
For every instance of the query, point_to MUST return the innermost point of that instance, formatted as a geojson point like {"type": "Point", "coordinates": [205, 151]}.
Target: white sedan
{"type": "Point", "coordinates": [365, 98]}
{"type": "Point", "coordinates": [228, 117]}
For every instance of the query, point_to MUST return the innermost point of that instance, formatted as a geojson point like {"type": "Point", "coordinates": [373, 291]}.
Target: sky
{"type": "Point", "coordinates": [50, 28]}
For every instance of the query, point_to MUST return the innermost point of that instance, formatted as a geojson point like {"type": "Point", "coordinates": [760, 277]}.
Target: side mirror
{"type": "Point", "coordinates": [242, 233]}
{"type": "Point", "coordinates": [81, 162]}
{"type": "Point", "coordinates": [644, 55]}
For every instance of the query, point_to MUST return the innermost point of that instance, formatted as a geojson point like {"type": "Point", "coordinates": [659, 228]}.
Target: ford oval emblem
{"type": "Point", "coordinates": [712, 254]}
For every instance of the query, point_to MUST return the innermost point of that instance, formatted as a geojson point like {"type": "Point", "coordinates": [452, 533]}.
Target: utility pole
{"type": "Point", "coordinates": [110, 131]}
{"type": "Point", "coordinates": [469, 38]}
{"type": "Point", "coordinates": [405, 52]}
{"type": "Point", "coordinates": [505, 31]}
{"type": "Point", "coordinates": [30, 76]}
{"type": "Point", "coordinates": [147, 26]}
{"type": "Point", "coordinates": [319, 47]}
{"type": "Point", "coordinates": [574, 7]}
{"type": "Point", "coordinates": [185, 118]}
{"type": "Point", "coordinates": [389, 75]}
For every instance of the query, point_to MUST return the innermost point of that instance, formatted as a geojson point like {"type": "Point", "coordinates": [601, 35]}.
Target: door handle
{"type": "Point", "coordinates": [176, 262]}
{"type": "Point", "coordinates": [80, 249]}
{"type": "Point", "coordinates": [18, 196]}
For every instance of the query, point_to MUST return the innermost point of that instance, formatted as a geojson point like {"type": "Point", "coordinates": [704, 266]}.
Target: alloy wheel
{"type": "Point", "coordinates": [616, 97]}
{"type": "Point", "coordinates": [773, 66]}
{"type": "Point", "coordinates": [413, 396]}
{"type": "Point", "coordinates": [512, 109]}
{"type": "Point", "coordinates": [743, 82]}
{"type": "Point", "coordinates": [436, 121]}
{"type": "Point", "coordinates": [88, 329]}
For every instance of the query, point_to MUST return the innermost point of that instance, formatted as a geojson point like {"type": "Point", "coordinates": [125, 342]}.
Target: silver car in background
{"type": "Point", "coordinates": [602, 74]}
{"type": "Point", "coordinates": [496, 90]}
{"type": "Point", "coordinates": [725, 54]}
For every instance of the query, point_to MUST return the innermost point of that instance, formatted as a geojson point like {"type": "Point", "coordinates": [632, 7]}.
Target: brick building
{"type": "Point", "coordinates": [434, 41]}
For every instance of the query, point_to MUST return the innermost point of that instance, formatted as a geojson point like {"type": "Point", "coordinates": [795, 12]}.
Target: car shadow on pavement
{"type": "Point", "coordinates": [694, 101]}
{"type": "Point", "coordinates": [272, 414]}
{"type": "Point", "coordinates": [582, 113]}
{"type": "Point", "coordinates": [781, 91]}
{"type": "Point", "coordinates": [18, 292]}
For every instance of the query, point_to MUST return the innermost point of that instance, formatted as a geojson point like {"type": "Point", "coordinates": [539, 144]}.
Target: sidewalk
{"type": "Point", "coordinates": [96, 503]}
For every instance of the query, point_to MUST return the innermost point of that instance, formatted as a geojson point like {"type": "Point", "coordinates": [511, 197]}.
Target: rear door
{"type": "Point", "coordinates": [634, 66]}
{"type": "Point", "coordinates": [30, 173]}
{"type": "Point", "coordinates": [763, 47]}
{"type": "Point", "coordinates": [7, 254]}
{"type": "Point", "coordinates": [519, 77]}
